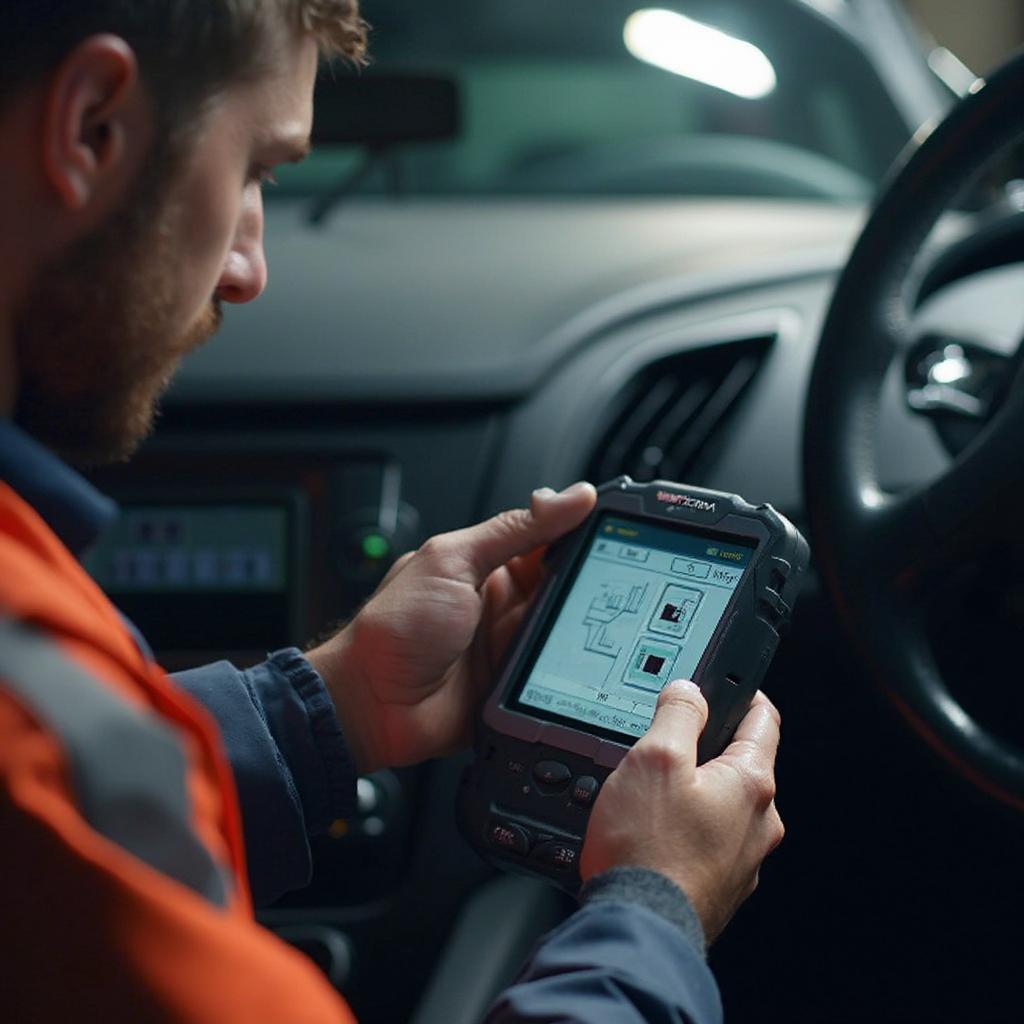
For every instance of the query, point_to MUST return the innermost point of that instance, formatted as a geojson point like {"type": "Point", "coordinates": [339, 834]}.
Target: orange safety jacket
{"type": "Point", "coordinates": [123, 893]}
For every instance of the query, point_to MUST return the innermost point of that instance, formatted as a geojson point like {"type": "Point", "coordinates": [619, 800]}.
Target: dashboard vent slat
{"type": "Point", "coordinates": [670, 418]}
{"type": "Point", "coordinates": [645, 409]}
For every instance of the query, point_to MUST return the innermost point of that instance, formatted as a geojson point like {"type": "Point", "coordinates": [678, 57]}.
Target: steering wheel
{"type": "Point", "coordinates": [881, 555]}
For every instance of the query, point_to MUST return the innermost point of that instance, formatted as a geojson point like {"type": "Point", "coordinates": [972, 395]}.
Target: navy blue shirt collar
{"type": "Point", "coordinates": [75, 511]}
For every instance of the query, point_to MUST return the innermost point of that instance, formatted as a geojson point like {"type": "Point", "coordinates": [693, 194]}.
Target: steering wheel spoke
{"type": "Point", "coordinates": [912, 539]}
{"type": "Point", "coordinates": [979, 500]}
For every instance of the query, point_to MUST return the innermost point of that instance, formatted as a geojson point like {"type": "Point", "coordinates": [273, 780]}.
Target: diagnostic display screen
{"type": "Point", "coordinates": [640, 612]}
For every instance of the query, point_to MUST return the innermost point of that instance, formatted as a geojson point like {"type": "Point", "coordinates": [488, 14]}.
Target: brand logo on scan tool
{"type": "Point", "coordinates": [686, 501]}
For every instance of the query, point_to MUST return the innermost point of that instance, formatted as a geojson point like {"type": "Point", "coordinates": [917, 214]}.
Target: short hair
{"type": "Point", "coordinates": [187, 50]}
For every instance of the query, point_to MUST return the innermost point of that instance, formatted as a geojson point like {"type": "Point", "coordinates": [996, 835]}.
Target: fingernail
{"type": "Point", "coordinates": [572, 489]}
{"type": "Point", "coordinates": [544, 493]}
{"type": "Point", "coordinates": [681, 686]}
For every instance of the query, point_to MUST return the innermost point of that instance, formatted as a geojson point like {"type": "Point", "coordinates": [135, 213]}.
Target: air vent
{"type": "Point", "coordinates": [669, 419]}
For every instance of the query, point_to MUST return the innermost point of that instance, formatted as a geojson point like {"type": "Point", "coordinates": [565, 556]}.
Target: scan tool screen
{"type": "Point", "coordinates": [645, 602]}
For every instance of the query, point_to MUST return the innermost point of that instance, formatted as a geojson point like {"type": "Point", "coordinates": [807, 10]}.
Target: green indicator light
{"type": "Point", "coordinates": [375, 547]}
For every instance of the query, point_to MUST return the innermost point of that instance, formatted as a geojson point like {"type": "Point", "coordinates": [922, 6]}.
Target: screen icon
{"type": "Point", "coordinates": [651, 664]}
{"type": "Point", "coordinates": [675, 611]}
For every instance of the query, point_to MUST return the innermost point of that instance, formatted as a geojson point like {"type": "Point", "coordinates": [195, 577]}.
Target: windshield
{"type": "Point", "coordinates": [608, 98]}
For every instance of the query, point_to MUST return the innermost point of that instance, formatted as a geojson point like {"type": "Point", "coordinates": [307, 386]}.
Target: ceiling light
{"type": "Point", "coordinates": [685, 47]}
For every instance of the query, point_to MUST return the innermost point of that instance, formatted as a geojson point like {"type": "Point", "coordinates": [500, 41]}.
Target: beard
{"type": "Point", "coordinates": [94, 347]}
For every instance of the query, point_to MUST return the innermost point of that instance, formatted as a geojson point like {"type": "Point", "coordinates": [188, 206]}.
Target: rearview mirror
{"type": "Point", "coordinates": [382, 110]}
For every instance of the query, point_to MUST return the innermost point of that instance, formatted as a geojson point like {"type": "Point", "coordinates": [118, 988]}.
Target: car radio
{"type": "Point", "coordinates": [663, 581]}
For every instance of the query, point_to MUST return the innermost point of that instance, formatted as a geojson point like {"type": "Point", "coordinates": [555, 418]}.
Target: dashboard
{"type": "Point", "coordinates": [284, 478]}
{"type": "Point", "coordinates": [289, 476]}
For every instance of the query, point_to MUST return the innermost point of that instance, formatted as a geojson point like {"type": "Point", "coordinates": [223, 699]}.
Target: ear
{"type": "Point", "coordinates": [92, 129]}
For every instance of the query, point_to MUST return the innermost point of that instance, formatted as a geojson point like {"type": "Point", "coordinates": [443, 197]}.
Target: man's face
{"type": "Point", "coordinates": [104, 327]}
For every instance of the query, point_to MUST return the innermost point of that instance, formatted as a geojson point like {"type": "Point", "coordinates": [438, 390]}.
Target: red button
{"type": "Point", "coordinates": [584, 791]}
{"type": "Point", "coordinates": [509, 837]}
{"type": "Point", "coordinates": [557, 855]}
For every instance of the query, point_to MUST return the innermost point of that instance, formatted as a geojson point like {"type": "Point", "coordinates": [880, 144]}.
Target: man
{"type": "Point", "coordinates": [134, 137]}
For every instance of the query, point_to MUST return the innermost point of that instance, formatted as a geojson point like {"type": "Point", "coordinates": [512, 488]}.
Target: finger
{"type": "Point", "coordinates": [474, 553]}
{"type": "Point", "coordinates": [756, 741]}
{"type": "Point", "coordinates": [679, 719]}
{"type": "Point", "coordinates": [512, 585]}
{"type": "Point", "coordinates": [761, 723]}
{"type": "Point", "coordinates": [504, 631]}
{"type": "Point", "coordinates": [760, 698]}
{"type": "Point", "coordinates": [527, 571]}
{"type": "Point", "coordinates": [776, 829]}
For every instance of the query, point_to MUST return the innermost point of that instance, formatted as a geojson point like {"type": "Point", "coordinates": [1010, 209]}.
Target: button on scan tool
{"type": "Point", "coordinates": [557, 854]}
{"type": "Point", "coordinates": [507, 836]}
{"type": "Point", "coordinates": [551, 776]}
{"type": "Point", "coordinates": [584, 791]}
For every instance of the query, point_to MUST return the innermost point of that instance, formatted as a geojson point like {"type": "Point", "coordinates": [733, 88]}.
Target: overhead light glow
{"type": "Point", "coordinates": [833, 8]}
{"type": "Point", "coordinates": [953, 71]}
{"type": "Point", "coordinates": [685, 47]}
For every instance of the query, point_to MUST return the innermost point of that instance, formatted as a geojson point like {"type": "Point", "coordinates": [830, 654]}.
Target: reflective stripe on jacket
{"type": "Point", "coordinates": [123, 891]}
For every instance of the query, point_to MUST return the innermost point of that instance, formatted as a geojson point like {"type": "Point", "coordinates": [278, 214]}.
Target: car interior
{"type": "Point", "coordinates": [535, 245]}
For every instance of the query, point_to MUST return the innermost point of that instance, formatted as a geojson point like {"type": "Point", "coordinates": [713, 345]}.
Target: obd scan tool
{"type": "Point", "coordinates": [663, 581]}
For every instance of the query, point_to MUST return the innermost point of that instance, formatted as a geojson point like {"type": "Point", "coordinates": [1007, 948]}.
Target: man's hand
{"type": "Point", "coordinates": [707, 829]}
{"type": "Point", "coordinates": [407, 674]}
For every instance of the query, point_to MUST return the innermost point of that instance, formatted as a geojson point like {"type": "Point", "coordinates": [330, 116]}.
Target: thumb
{"type": "Point", "coordinates": [679, 719]}
{"type": "Point", "coordinates": [477, 551]}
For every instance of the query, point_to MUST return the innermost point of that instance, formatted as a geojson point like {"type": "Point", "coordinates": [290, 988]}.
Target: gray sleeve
{"type": "Point", "coordinates": [651, 890]}
{"type": "Point", "coordinates": [632, 954]}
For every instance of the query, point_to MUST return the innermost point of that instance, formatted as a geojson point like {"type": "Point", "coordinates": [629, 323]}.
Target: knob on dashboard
{"type": "Point", "coordinates": [364, 548]}
{"type": "Point", "coordinates": [371, 525]}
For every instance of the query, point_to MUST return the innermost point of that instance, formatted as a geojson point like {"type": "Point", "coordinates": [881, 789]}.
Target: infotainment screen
{"type": "Point", "coordinates": [640, 611]}
{"type": "Point", "coordinates": [203, 576]}
{"type": "Point", "coordinates": [183, 548]}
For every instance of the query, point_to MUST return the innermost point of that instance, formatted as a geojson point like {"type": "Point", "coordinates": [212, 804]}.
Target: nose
{"type": "Point", "coordinates": [244, 275]}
